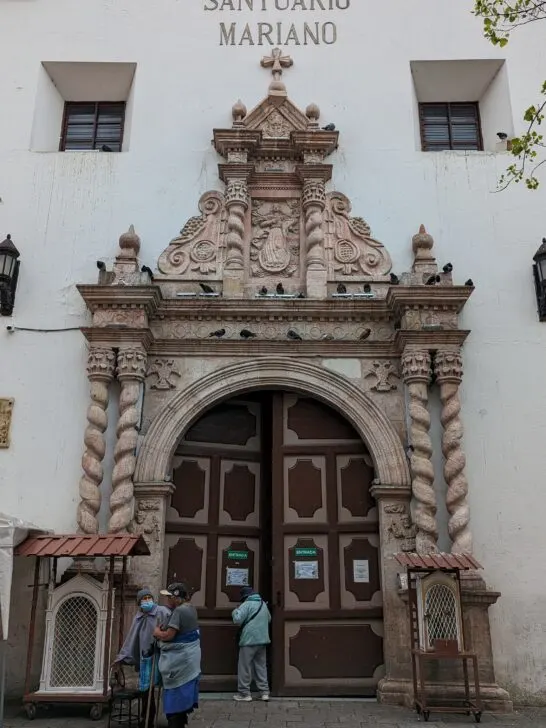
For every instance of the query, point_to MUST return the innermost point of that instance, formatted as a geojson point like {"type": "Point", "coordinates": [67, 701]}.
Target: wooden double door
{"type": "Point", "coordinates": [273, 490]}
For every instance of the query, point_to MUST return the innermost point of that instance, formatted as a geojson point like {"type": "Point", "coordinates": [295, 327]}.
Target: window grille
{"type": "Point", "coordinates": [441, 614]}
{"type": "Point", "coordinates": [450, 126]}
{"type": "Point", "coordinates": [74, 644]}
{"type": "Point", "coordinates": [93, 126]}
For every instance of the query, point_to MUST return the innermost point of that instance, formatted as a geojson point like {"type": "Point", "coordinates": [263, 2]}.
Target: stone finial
{"type": "Point", "coordinates": [238, 113]}
{"type": "Point", "coordinates": [129, 248]}
{"type": "Point", "coordinates": [423, 260]}
{"type": "Point", "coordinates": [277, 62]}
{"type": "Point", "coordinates": [312, 112]}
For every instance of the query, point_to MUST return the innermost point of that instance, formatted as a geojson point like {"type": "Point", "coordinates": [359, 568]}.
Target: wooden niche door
{"type": "Point", "coordinates": [214, 526]}
{"type": "Point", "coordinates": [327, 614]}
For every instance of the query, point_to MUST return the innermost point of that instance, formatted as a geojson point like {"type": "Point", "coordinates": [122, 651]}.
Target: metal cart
{"type": "Point", "coordinates": [88, 548]}
{"type": "Point", "coordinates": [437, 628]}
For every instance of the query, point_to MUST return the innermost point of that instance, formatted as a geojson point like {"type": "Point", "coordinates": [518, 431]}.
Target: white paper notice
{"type": "Point", "coordinates": [236, 577]}
{"type": "Point", "coordinates": [361, 571]}
{"type": "Point", "coordinates": [305, 569]}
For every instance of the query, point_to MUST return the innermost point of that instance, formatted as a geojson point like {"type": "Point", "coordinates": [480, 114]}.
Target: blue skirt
{"type": "Point", "coordinates": [182, 699]}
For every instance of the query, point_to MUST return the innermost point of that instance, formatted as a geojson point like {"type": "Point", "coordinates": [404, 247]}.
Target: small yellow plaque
{"type": "Point", "coordinates": [6, 410]}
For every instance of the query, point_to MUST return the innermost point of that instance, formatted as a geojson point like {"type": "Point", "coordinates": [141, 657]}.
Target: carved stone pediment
{"type": "Point", "coordinates": [276, 120]}
{"type": "Point", "coordinates": [275, 229]}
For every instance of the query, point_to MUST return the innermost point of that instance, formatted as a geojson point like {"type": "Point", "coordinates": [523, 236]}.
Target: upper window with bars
{"type": "Point", "coordinates": [93, 125]}
{"type": "Point", "coordinates": [450, 126]}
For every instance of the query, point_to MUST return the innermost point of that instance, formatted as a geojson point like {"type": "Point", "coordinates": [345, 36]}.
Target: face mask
{"type": "Point", "coordinates": [147, 606]}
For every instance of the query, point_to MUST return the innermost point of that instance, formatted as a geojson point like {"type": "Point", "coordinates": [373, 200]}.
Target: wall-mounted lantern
{"type": "Point", "coordinates": [539, 273]}
{"type": "Point", "coordinates": [9, 272]}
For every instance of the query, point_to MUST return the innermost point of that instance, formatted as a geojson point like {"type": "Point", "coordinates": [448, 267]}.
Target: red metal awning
{"type": "Point", "coordinates": [76, 545]}
{"type": "Point", "coordinates": [463, 562]}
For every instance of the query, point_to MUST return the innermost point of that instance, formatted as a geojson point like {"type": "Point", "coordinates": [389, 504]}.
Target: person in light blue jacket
{"type": "Point", "coordinates": [253, 618]}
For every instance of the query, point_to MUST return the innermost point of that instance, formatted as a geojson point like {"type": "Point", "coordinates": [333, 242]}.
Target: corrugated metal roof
{"type": "Point", "coordinates": [75, 545]}
{"type": "Point", "coordinates": [464, 562]}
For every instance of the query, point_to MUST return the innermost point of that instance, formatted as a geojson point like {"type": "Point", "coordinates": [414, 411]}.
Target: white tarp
{"type": "Point", "coordinates": [13, 531]}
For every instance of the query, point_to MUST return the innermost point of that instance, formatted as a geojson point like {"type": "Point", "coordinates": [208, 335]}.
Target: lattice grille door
{"type": "Point", "coordinates": [74, 644]}
{"type": "Point", "coordinates": [441, 613]}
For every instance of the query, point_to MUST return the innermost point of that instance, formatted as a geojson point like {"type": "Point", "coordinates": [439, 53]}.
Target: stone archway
{"type": "Point", "coordinates": [369, 420]}
{"type": "Point", "coordinates": [392, 490]}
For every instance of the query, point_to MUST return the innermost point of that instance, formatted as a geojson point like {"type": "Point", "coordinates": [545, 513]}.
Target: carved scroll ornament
{"type": "Point", "coordinates": [351, 248]}
{"type": "Point", "coordinates": [196, 251]}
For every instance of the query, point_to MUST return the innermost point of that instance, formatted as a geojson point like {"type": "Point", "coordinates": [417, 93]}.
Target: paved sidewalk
{"type": "Point", "coordinates": [223, 713]}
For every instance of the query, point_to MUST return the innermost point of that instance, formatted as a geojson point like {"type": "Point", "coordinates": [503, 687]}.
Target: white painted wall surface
{"type": "Point", "coordinates": [66, 210]}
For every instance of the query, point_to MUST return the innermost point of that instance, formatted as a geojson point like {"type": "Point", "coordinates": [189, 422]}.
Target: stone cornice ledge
{"type": "Point", "coordinates": [426, 339]}
{"type": "Point", "coordinates": [116, 336]}
{"type": "Point", "coordinates": [381, 491]}
{"type": "Point", "coordinates": [153, 490]}
{"type": "Point", "coordinates": [400, 298]}
{"type": "Point", "coordinates": [100, 297]}
{"type": "Point", "coordinates": [283, 309]}
{"type": "Point", "coordinates": [246, 349]}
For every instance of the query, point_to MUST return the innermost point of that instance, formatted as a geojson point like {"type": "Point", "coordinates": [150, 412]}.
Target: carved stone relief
{"type": "Point", "coordinates": [276, 126]}
{"type": "Point", "coordinates": [351, 249]}
{"type": "Point", "coordinates": [402, 529]}
{"type": "Point", "coordinates": [422, 318]}
{"type": "Point", "coordinates": [384, 373]}
{"type": "Point", "coordinates": [163, 373]}
{"type": "Point", "coordinates": [196, 252]}
{"type": "Point", "coordinates": [272, 330]}
{"type": "Point", "coordinates": [6, 410]}
{"type": "Point", "coordinates": [275, 244]}
{"type": "Point", "coordinates": [147, 520]}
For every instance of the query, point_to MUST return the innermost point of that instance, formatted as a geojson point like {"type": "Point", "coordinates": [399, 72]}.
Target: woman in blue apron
{"type": "Point", "coordinates": [180, 657]}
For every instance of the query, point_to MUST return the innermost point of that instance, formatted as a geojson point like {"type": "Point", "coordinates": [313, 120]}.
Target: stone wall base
{"type": "Point", "coordinates": [400, 692]}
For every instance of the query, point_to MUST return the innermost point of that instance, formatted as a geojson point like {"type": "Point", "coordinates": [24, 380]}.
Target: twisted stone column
{"type": "Point", "coordinates": [236, 204]}
{"type": "Point", "coordinates": [448, 367]}
{"type": "Point", "coordinates": [100, 370]}
{"type": "Point", "coordinates": [314, 202]}
{"type": "Point", "coordinates": [416, 369]}
{"type": "Point", "coordinates": [130, 371]}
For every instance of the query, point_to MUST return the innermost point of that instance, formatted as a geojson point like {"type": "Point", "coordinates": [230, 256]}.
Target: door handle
{"type": "Point", "coordinates": [279, 599]}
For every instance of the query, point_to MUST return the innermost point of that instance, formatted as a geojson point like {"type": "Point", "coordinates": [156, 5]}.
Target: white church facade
{"type": "Point", "coordinates": [271, 312]}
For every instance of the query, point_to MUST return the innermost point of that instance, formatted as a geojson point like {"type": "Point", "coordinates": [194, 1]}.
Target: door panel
{"type": "Point", "coordinates": [214, 524]}
{"type": "Point", "coordinates": [325, 546]}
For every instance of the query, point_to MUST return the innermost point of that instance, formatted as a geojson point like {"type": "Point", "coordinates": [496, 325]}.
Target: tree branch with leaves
{"type": "Point", "coordinates": [500, 19]}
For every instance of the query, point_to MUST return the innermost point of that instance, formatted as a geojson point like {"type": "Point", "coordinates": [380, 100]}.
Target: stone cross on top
{"type": "Point", "coordinates": [276, 62]}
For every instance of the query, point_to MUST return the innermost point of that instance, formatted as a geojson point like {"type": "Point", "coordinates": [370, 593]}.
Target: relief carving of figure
{"type": "Point", "coordinates": [403, 530]}
{"type": "Point", "coordinates": [275, 238]}
{"type": "Point", "coordinates": [350, 247]}
{"type": "Point", "coordinates": [196, 251]}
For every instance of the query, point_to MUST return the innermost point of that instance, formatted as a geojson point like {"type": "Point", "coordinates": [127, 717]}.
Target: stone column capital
{"type": "Point", "coordinates": [416, 366]}
{"type": "Point", "coordinates": [101, 363]}
{"type": "Point", "coordinates": [237, 192]}
{"type": "Point", "coordinates": [131, 364]}
{"type": "Point", "coordinates": [314, 193]}
{"type": "Point", "coordinates": [448, 366]}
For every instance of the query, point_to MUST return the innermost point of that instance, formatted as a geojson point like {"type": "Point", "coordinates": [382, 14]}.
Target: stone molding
{"type": "Point", "coordinates": [368, 418]}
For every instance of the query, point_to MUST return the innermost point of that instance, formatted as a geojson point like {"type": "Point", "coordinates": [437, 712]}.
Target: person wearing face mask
{"type": "Point", "coordinates": [180, 656]}
{"type": "Point", "coordinates": [139, 645]}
